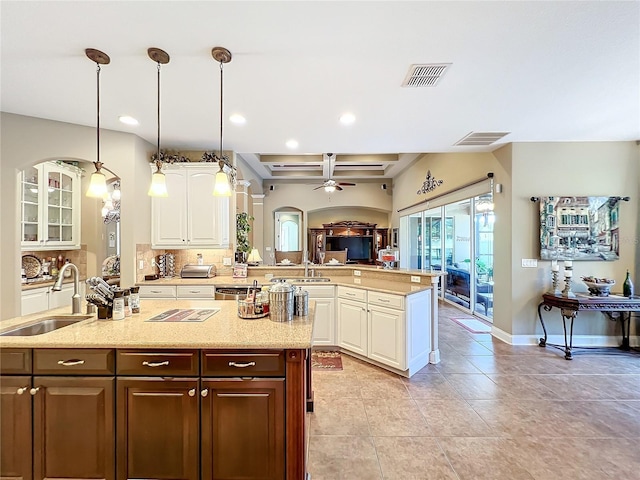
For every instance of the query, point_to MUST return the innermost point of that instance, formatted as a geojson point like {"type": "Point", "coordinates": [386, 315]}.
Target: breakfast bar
{"type": "Point", "coordinates": [188, 397]}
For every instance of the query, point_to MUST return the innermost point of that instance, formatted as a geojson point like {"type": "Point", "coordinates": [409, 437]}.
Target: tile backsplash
{"type": "Point", "coordinates": [77, 257]}
{"type": "Point", "coordinates": [213, 256]}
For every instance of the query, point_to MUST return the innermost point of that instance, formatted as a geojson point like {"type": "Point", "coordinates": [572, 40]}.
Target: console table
{"type": "Point", "coordinates": [614, 306]}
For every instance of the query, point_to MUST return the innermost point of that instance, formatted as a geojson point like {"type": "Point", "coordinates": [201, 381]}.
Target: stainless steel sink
{"type": "Point", "coordinates": [44, 325]}
{"type": "Point", "coordinates": [302, 279]}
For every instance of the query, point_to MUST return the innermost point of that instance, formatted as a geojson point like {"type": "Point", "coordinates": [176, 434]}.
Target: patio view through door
{"type": "Point", "coordinates": [448, 237]}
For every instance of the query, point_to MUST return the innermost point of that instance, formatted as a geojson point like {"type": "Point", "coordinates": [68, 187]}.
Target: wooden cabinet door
{"type": "Point", "coordinates": [15, 428]}
{"type": "Point", "coordinates": [324, 323]}
{"type": "Point", "coordinates": [73, 428]}
{"type": "Point", "coordinates": [169, 214]}
{"type": "Point", "coordinates": [157, 423]}
{"type": "Point", "coordinates": [352, 326]}
{"type": "Point", "coordinates": [387, 337]}
{"type": "Point", "coordinates": [243, 429]}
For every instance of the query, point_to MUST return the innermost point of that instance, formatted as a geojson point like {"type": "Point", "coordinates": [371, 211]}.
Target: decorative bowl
{"type": "Point", "coordinates": [600, 287]}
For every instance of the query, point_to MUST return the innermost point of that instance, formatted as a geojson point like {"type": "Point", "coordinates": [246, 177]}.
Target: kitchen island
{"type": "Point", "coordinates": [221, 398]}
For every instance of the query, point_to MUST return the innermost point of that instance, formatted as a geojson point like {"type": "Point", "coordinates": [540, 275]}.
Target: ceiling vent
{"type": "Point", "coordinates": [481, 138]}
{"type": "Point", "coordinates": [425, 75]}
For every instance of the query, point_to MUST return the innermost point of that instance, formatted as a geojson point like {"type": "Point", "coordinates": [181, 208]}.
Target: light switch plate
{"type": "Point", "coordinates": [357, 280]}
{"type": "Point", "coordinates": [415, 279]}
{"type": "Point", "coordinates": [529, 263]}
{"type": "Point", "coordinates": [141, 265]}
{"type": "Point", "coordinates": [226, 261]}
{"type": "Point", "coordinates": [357, 273]}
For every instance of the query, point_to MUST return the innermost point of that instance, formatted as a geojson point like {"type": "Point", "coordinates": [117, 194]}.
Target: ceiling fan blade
{"type": "Point", "coordinates": [338, 187]}
{"type": "Point", "coordinates": [345, 184]}
{"type": "Point", "coordinates": [321, 186]}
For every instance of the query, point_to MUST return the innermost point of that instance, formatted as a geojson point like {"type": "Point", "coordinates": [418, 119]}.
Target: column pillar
{"type": "Point", "coordinates": [258, 225]}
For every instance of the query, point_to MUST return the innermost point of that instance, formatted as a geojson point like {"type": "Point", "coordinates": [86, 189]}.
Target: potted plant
{"type": "Point", "coordinates": [243, 227]}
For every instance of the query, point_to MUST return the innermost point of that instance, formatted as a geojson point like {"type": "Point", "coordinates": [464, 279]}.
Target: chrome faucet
{"type": "Point", "coordinates": [306, 262]}
{"type": "Point", "coordinates": [57, 286]}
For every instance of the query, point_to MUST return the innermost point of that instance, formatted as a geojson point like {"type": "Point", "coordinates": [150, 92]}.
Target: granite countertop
{"type": "Point", "coordinates": [374, 284]}
{"type": "Point", "coordinates": [223, 330]}
{"type": "Point", "coordinates": [48, 283]}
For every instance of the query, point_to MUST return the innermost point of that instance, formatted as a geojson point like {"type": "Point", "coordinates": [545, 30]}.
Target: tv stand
{"type": "Point", "coordinates": [331, 235]}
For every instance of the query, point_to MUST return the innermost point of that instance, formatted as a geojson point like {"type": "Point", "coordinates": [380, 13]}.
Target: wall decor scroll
{"type": "Point", "coordinates": [579, 228]}
{"type": "Point", "coordinates": [429, 184]}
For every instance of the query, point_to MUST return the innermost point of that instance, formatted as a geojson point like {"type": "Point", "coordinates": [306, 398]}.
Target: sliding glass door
{"type": "Point", "coordinates": [456, 237]}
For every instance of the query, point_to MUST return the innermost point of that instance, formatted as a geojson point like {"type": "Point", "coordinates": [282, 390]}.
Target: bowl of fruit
{"type": "Point", "coordinates": [600, 287]}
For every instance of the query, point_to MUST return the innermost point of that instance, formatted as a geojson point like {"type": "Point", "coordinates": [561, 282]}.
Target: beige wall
{"type": "Point", "coordinates": [27, 141]}
{"type": "Point", "coordinates": [359, 214]}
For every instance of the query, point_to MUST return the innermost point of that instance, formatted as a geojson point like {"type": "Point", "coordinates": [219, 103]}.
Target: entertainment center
{"type": "Point", "coordinates": [362, 240]}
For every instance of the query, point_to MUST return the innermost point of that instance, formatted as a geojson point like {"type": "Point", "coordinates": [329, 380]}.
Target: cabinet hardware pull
{"type": "Point", "coordinates": [383, 300]}
{"type": "Point", "coordinates": [350, 294]}
{"type": "Point", "coordinates": [70, 363]}
{"type": "Point", "coordinates": [156, 291]}
{"type": "Point", "coordinates": [204, 392]}
{"type": "Point", "coordinates": [33, 391]}
{"type": "Point", "coordinates": [194, 291]}
{"type": "Point", "coordinates": [192, 392]}
{"type": "Point", "coordinates": [155, 364]}
{"type": "Point", "coordinates": [21, 390]}
{"type": "Point", "coordinates": [242, 365]}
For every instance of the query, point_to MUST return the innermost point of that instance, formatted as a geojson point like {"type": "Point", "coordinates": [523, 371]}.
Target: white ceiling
{"type": "Point", "coordinates": [544, 71]}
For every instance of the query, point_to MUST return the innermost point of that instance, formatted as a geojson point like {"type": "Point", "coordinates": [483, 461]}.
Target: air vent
{"type": "Point", "coordinates": [481, 138]}
{"type": "Point", "coordinates": [425, 75]}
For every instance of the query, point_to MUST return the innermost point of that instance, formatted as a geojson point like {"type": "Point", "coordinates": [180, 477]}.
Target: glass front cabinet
{"type": "Point", "coordinates": [50, 206]}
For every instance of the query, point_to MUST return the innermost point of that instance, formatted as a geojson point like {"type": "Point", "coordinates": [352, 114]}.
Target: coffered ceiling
{"type": "Point", "coordinates": [524, 71]}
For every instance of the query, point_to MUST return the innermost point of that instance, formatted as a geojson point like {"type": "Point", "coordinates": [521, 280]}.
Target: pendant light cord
{"type": "Point", "coordinates": [98, 116]}
{"type": "Point", "coordinates": [221, 113]}
{"type": "Point", "coordinates": [158, 161]}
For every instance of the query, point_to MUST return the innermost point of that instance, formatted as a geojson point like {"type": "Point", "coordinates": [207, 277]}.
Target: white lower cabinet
{"type": "Point", "coordinates": [40, 299]}
{"type": "Point", "coordinates": [324, 332]}
{"type": "Point", "coordinates": [158, 291]}
{"type": "Point", "coordinates": [392, 330]}
{"type": "Point", "coordinates": [196, 291]}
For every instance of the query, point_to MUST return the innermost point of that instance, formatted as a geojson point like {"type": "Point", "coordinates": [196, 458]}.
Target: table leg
{"type": "Point", "coordinates": [568, 345]}
{"type": "Point", "coordinates": [543, 341]}
{"type": "Point", "coordinates": [625, 331]}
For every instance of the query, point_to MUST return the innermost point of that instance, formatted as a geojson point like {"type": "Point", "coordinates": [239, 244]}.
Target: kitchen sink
{"type": "Point", "coordinates": [44, 325]}
{"type": "Point", "coordinates": [302, 279]}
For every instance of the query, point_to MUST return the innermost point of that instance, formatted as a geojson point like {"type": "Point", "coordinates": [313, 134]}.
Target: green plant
{"type": "Point", "coordinates": [243, 227]}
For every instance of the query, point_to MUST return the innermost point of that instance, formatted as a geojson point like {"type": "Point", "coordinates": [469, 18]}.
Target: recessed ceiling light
{"type": "Point", "coordinates": [128, 120]}
{"type": "Point", "coordinates": [237, 119]}
{"type": "Point", "coordinates": [292, 143]}
{"type": "Point", "coordinates": [347, 118]}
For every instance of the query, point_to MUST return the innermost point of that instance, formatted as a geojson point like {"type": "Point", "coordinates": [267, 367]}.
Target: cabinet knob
{"type": "Point", "coordinates": [21, 390]}
{"type": "Point", "coordinates": [192, 392]}
{"type": "Point", "coordinates": [204, 392]}
{"type": "Point", "coordinates": [33, 391]}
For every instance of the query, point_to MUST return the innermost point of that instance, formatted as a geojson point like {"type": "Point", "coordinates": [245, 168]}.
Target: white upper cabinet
{"type": "Point", "coordinates": [50, 207]}
{"type": "Point", "coordinates": [190, 216]}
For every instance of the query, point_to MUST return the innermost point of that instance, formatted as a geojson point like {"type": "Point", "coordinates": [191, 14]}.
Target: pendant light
{"type": "Point", "coordinates": [222, 186]}
{"type": "Point", "coordinates": [98, 183]}
{"type": "Point", "coordinates": [158, 186]}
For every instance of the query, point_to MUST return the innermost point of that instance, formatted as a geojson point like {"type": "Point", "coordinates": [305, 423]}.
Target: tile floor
{"type": "Point", "coordinates": [489, 410]}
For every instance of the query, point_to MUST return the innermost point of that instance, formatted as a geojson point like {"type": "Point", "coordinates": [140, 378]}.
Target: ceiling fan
{"type": "Point", "coordinates": [331, 185]}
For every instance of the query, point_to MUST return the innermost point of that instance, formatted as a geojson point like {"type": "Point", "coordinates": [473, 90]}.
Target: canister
{"type": "Point", "coordinates": [281, 302]}
{"type": "Point", "coordinates": [301, 302]}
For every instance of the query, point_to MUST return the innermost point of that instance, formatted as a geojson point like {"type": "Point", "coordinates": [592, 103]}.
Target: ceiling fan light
{"type": "Point", "coordinates": [330, 188]}
{"type": "Point", "coordinates": [97, 185]}
{"type": "Point", "coordinates": [222, 187]}
{"type": "Point", "coordinates": [158, 186]}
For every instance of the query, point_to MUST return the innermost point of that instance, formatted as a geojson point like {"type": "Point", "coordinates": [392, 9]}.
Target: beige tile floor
{"type": "Point", "coordinates": [489, 410]}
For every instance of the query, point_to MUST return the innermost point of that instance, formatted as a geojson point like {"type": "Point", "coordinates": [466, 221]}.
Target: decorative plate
{"type": "Point", "coordinates": [32, 266]}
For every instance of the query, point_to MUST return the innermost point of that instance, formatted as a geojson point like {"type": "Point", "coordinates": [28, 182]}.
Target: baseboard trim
{"type": "Point", "coordinates": [578, 340]}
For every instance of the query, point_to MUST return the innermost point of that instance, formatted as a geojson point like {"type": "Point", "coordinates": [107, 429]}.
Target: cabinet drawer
{"type": "Point", "coordinates": [386, 300]}
{"type": "Point", "coordinates": [76, 361]}
{"type": "Point", "coordinates": [320, 291]}
{"type": "Point", "coordinates": [15, 361]}
{"type": "Point", "coordinates": [157, 291]}
{"type": "Point", "coordinates": [352, 293]}
{"type": "Point", "coordinates": [249, 364]}
{"type": "Point", "coordinates": [194, 291]}
{"type": "Point", "coordinates": [163, 362]}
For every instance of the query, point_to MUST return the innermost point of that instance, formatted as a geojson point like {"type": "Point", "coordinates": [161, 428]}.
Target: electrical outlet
{"type": "Point", "coordinates": [226, 261]}
{"type": "Point", "coordinates": [357, 273]}
{"type": "Point", "coordinates": [153, 262]}
{"type": "Point", "coordinates": [357, 280]}
{"type": "Point", "coordinates": [415, 279]}
{"type": "Point", "coordinates": [141, 266]}
{"type": "Point", "coordinates": [529, 263]}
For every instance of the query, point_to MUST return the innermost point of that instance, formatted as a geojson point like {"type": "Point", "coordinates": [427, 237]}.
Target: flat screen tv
{"type": "Point", "coordinates": [358, 248]}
